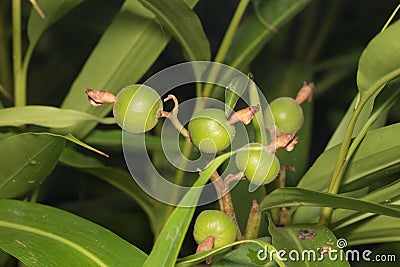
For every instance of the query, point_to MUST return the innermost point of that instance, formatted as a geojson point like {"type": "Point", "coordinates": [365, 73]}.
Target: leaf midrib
{"type": "Point", "coordinates": [54, 237]}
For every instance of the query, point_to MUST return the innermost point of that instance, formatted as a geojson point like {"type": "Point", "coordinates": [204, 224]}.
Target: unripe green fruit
{"type": "Point", "coordinates": [210, 131]}
{"type": "Point", "coordinates": [287, 114]}
{"type": "Point", "coordinates": [137, 108]}
{"type": "Point", "coordinates": [260, 166]}
{"type": "Point", "coordinates": [217, 224]}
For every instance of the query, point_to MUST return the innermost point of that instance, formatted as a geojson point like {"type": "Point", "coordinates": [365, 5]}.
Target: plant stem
{"type": "Point", "coordinates": [346, 150]}
{"type": "Point", "coordinates": [19, 84]}
{"type": "Point", "coordinates": [5, 67]}
{"type": "Point", "coordinates": [340, 166]}
{"type": "Point", "coordinates": [226, 43]}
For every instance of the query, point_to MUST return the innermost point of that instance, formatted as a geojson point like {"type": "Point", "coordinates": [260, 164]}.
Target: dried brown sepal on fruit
{"type": "Point", "coordinates": [98, 97]}
{"type": "Point", "coordinates": [305, 93]}
{"type": "Point", "coordinates": [286, 141]}
{"type": "Point", "coordinates": [244, 115]}
{"type": "Point", "coordinates": [206, 245]}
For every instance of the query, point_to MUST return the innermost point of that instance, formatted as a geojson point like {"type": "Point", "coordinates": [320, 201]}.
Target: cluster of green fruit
{"type": "Point", "coordinates": [138, 107]}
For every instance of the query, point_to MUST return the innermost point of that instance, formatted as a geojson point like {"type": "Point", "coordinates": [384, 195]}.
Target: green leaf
{"type": "Point", "coordinates": [294, 197]}
{"type": "Point", "coordinates": [258, 120]}
{"type": "Point", "coordinates": [183, 24]}
{"type": "Point", "coordinates": [39, 235]}
{"type": "Point", "coordinates": [378, 229]}
{"type": "Point", "coordinates": [378, 63]}
{"type": "Point", "coordinates": [113, 139]}
{"type": "Point", "coordinates": [245, 256]}
{"type": "Point", "coordinates": [302, 242]}
{"type": "Point", "coordinates": [342, 218]}
{"type": "Point", "coordinates": [375, 158]}
{"type": "Point", "coordinates": [376, 107]}
{"type": "Point", "coordinates": [121, 57]}
{"type": "Point", "coordinates": [27, 160]}
{"type": "Point", "coordinates": [119, 178]}
{"type": "Point", "coordinates": [252, 35]}
{"type": "Point", "coordinates": [47, 117]}
{"type": "Point", "coordinates": [340, 131]}
{"type": "Point", "coordinates": [53, 10]}
{"type": "Point", "coordinates": [234, 91]}
{"type": "Point", "coordinates": [167, 246]}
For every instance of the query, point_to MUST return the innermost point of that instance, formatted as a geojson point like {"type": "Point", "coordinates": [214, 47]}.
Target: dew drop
{"type": "Point", "coordinates": [33, 162]}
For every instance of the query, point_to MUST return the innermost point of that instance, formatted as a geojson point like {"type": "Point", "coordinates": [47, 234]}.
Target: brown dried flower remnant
{"type": "Point", "coordinates": [98, 97]}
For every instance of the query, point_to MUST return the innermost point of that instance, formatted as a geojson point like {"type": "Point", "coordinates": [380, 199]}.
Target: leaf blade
{"type": "Point", "coordinates": [36, 234]}
{"type": "Point", "coordinates": [47, 116]}
{"type": "Point", "coordinates": [294, 197]}
{"type": "Point", "coordinates": [27, 160]}
{"type": "Point", "coordinates": [252, 35]}
{"type": "Point", "coordinates": [378, 63]}
{"type": "Point", "coordinates": [184, 25]}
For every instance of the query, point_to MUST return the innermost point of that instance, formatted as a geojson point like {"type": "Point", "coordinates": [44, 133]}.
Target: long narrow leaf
{"type": "Point", "coordinates": [184, 25]}
{"type": "Point", "coordinates": [47, 117]}
{"type": "Point", "coordinates": [126, 50]}
{"type": "Point", "coordinates": [167, 246]}
{"type": "Point", "coordinates": [375, 155]}
{"type": "Point", "coordinates": [378, 229]}
{"type": "Point", "coordinates": [119, 178]}
{"type": "Point", "coordinates": [39, 235]}
{"type": "Point", "coordinates": [252, 35]}
{"type": "Point", "coordinates": [342, 218]}
{"type": "Point", "coordinates": [294, 197]}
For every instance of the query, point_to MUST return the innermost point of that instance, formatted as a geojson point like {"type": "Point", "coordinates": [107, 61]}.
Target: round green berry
{"type": "Point", "coordinates": [137, 108]}
{"type": "Point", "coordinates": [217, 224]}
{"type": "Point", "coordinates": [287, 115]}
{"type": "Point", "coordinates": [260, 166]}
{"type": "Point", "coordinates": [210, 131]}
